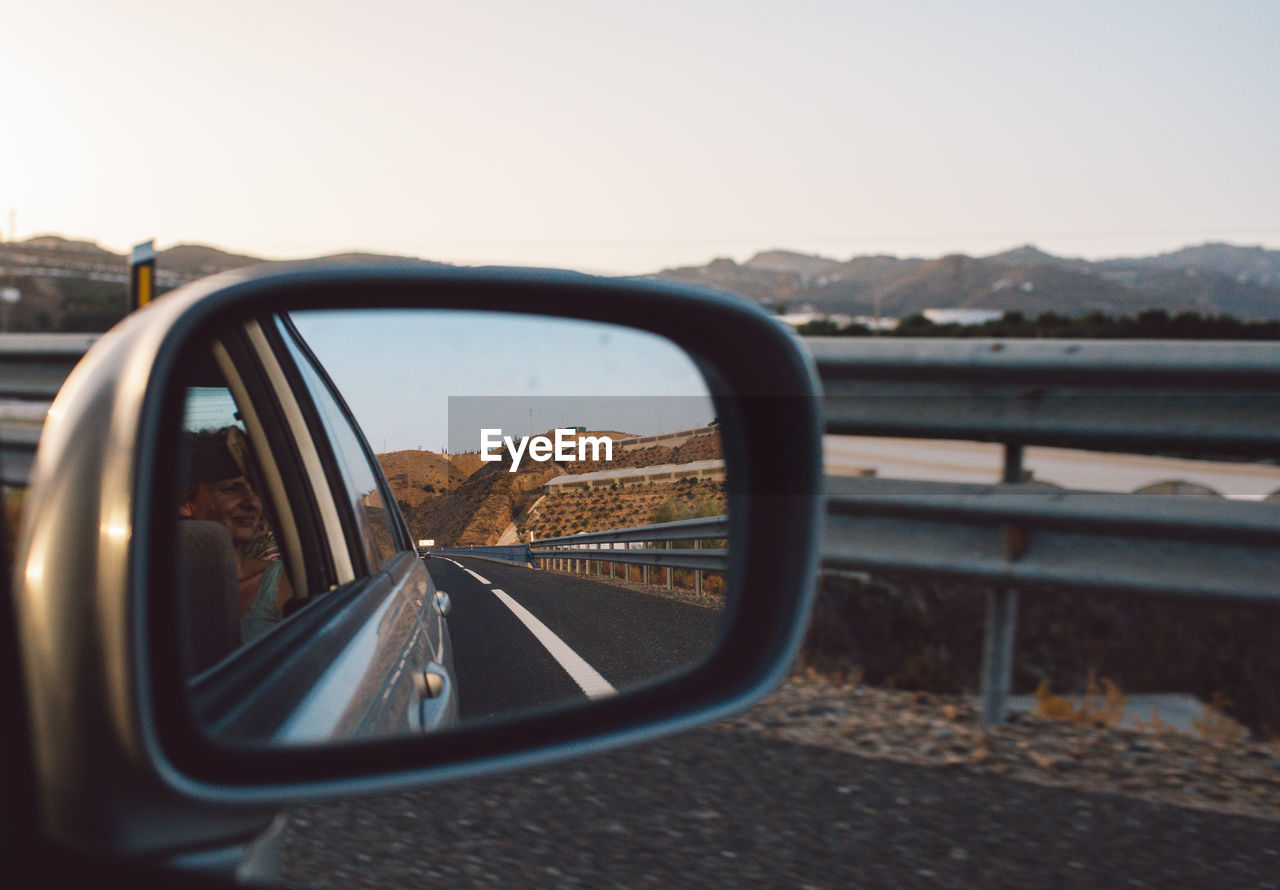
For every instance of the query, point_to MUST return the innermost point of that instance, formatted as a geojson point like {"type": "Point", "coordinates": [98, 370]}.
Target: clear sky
{"type": "Point", "coordinates": [431, 378]}
{"type": "Point", "coordinates": [626, 137]}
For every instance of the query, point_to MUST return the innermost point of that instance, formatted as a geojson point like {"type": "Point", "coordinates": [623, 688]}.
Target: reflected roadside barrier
{"type": "Point", "coordinates": [588, 553]}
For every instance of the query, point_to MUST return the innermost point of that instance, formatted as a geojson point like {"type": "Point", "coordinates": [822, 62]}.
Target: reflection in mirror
{"type": "Point", "coordinates": [393, 521]}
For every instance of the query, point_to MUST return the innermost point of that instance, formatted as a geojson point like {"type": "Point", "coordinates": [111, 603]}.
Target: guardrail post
{"type": "Point", "coordinates": [1002, 623]}
{"type": "Point", "coordinates": [599, 564]}
{"type": "Point", "coordinates": [644, 569]}
{"type": "Point", "coordinates": [670, 580]}
{"type": "Point", "coordinates": [697, 573]}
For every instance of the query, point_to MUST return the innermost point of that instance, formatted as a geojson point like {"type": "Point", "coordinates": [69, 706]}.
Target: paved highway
{"type": "Point", "coordinates": [981, 462]}
{"type": "Point", "coordinates": [524, 638]}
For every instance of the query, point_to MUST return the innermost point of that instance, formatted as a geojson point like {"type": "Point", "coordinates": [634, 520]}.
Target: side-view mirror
{"type": "Point", "coordinates": [337, 528]}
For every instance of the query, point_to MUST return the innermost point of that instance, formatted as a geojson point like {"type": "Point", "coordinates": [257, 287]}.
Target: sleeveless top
{"type": "Point", "coordinates": [263, 613]}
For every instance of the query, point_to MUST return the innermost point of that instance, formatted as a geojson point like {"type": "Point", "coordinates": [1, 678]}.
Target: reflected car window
{"type": "Point", "coordinates": [377, 528]}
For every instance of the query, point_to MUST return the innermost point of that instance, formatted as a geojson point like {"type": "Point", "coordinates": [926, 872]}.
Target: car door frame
{"type": "Point", "coordinates": [295, 682]}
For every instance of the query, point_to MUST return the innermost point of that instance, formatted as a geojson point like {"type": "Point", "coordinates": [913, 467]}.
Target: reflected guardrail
{"type": "Point", "coordinates": [591, 552]}
{"type": "Point", "coordinates": [515, 554]}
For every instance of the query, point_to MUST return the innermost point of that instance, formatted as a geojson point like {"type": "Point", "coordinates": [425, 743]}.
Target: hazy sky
{"type": "Point", "coordinates": [626, 137]}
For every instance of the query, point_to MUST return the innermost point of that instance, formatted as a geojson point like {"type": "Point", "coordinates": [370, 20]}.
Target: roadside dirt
{"type": "Point", "coordinates": [1159, 766]}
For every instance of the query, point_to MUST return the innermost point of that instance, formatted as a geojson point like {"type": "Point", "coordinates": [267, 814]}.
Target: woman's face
{"type": "Point", "coordinates": [232, 502]}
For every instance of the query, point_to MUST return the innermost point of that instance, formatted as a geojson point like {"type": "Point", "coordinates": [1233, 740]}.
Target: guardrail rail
{"type": "Point", "coordinates": [33, 368]}
{"type": "Point", "coordinates": [1198, 398]}
{"type": "Point", "coordinates": [590, 551]}
{"type": "Point", "coordinates": [1191, 399]}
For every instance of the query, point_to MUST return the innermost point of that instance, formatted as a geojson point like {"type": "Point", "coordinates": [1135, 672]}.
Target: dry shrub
{"type": "Point", "coordinates": [1215, 726]}
{"type": "Point", "coordinates": [1102, 705]}
{"type": "Point", "coordinates": [1154, 725]}
{"type": "Point", "coordinates": [928, 670]}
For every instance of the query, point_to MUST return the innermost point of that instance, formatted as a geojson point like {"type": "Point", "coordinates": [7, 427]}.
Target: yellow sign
{"type": "Point", "coordinates": [144, 286]}
{"type": "Point", "coordinates": [142, 270]}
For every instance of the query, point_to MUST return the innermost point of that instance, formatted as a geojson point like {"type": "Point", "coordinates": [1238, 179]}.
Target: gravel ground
{"type": "Point", "coordinates": [828, 786]}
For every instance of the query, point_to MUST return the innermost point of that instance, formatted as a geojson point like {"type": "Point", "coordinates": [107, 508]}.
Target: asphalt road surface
{"type": "Point", "coordinates": [524, 638]}
{"type": "Point", "coordinates": [728, 808]}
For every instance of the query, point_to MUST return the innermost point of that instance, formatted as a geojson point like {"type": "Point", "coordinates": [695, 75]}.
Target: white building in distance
{"type": "Point", "coordinates": [964, 317]}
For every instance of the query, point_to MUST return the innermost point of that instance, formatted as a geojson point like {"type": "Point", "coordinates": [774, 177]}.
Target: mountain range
{"type": "Point", "coordinates": [76, 285]}
{"type": "Point", "coordinates": [1211, 279]}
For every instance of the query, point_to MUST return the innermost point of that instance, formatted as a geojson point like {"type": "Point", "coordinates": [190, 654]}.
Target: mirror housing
{"type": "Point", "coordinates": [120, 769]}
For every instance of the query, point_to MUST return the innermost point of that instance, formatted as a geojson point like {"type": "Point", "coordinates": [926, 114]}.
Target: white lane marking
{"type": "Point", "coordinates": [594, 685]}
{"type": "Point", "coordinates": [454, 561]}
{"type": "Point", "coordinates": [485, 581]}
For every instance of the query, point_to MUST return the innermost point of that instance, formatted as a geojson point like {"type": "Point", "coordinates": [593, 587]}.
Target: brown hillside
{"type": "Point", "coordinates": [200, 259]}
{"type": "Point", "coordinates": [481, 508]}
{"type": "Point", "coordinates": [758, 284]}
{"type": "Point", "coordinates": [964, 281]}
{"type": "Point", "coordinates": [416, 476]}
{"type": "Point", "coordinates": [600, 509]}
{"type": "Point", "coordinates": [705, 447]}
{"type": "Point", "coordinates": [485, 503]}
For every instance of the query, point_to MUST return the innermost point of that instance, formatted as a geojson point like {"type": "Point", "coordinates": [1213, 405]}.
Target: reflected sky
{"type": "Point", "coordinates": [404, 372]}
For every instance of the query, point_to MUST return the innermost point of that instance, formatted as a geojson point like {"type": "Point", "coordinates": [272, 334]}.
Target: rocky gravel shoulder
{"type": "Point", "coordinates": [1159, 765]}
{"type": "Point", "coordinates": [825, 785]}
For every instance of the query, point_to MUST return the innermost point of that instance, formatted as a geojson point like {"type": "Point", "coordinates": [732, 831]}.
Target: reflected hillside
{"type": "Point", "coordinates": [485, 503]}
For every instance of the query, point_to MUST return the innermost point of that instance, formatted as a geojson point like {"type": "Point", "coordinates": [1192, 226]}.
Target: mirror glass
{"type": "Point", "coordinates": [397, 521]}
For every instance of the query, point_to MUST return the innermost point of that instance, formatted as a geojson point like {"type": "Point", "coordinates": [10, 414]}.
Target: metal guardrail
{"type": "Point", "coordinates": [1188, 398]}
{"type": "Point", "coordinates": [516, 555]}
{"type": "Point", "coordinates": [602, 547]}
{"type": "Point", "coordinates": [594, 550]}
{"type": "Point", "coordinates": [1107, 395]}
{"type": "Point", "coordinates": [33, 368]}
{"type": "Point", "coordinates": [1205, 399]}
{"type": "Point", "coordinates": [1010, 534]}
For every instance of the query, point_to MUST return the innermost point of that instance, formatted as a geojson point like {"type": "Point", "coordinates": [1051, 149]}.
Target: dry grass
{"type": "Point", "coordinates": [1215, 726]}
{"type": "Point", "coordinates": [1103, 703]}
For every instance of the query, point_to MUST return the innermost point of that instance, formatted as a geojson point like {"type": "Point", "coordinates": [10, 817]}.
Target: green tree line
{"type": "Point", "coordinates": [1153, 324]}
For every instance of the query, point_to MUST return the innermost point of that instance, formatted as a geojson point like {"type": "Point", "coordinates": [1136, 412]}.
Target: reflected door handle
{"type": "Point", "coordinates": [435, 702]}
{"type": "Point", "coordinates": [430, 683]}
{"type": "Point", "coordinates": [443, 603]}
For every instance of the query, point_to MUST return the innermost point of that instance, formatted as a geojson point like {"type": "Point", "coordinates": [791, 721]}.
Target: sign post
{"type": "Point", "coordinates": [142, 274]}
{"type": "Point", "coordinates": [8, 296]}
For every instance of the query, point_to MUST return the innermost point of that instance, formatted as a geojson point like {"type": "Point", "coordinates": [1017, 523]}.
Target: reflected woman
{"type": "Point", "coordinates": [217, 489]}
